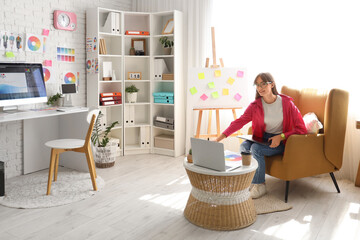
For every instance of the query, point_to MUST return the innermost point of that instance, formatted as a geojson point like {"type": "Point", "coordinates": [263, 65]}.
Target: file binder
{"type": "Point", "coordinates": [137, 33]}
{"type": "Point", "coordinates": [112, 98]}
{"type": "Point", "coordinates": [110, 94]}
{"type": "Point", "coordinates": [148, 136]}
{"type": "Point", "coordinates": [142, 136]}
{"type": "Point", "coordinates": [159, 68]}
{"type": "Point", "coordinates": [164, 119]}
{"type": "Point", "coordinates": [117, 23]}
{"type": "Point", "coordinates": [108, 103]}
{"type": "Point", "coordinates": [109, 25]}
{"type": "Point", "coordinates": [132, 115]}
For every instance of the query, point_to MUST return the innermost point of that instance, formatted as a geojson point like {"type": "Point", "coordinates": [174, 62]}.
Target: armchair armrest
{"type": "Point", "coordinates": [304, 147]}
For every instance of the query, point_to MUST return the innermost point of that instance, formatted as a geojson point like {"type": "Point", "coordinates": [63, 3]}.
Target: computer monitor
{"type": "Point", "coordinates": [67, 89]}
{"type": "Point", "coordinates": [20, 84]}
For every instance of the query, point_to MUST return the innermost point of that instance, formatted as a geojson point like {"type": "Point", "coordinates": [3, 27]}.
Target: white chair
{"type": "Point", "coordinates": [76, 145]}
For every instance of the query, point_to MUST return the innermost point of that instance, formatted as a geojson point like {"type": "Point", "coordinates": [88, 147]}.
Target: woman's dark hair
{"type": "Point", "coordinates": [266, 77]}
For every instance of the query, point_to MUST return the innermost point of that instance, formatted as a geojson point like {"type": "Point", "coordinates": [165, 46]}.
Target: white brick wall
{"type": "Point", "coordinates": [26, 16]}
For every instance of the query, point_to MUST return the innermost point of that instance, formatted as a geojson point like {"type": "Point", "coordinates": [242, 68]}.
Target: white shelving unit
{"type": "Point", "coordinates": [131, 130]}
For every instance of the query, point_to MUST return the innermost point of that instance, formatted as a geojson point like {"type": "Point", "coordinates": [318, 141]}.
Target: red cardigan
{"type": "Point", "coordinates": [293, 122]}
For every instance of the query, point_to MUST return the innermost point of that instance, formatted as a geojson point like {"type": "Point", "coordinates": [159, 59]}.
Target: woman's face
{"type": "Point", "coordinates": [263, 88]}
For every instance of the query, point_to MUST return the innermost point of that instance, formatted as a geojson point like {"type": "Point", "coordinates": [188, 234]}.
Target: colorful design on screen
{"type": "Point", "coordinates": [69, 78]}
{"type": "Point", "coordinates": [34, 43]}
{"type": "Point", "coordinates": [46, 74]}
{"type": "Point", "coordinates": [233, 157]}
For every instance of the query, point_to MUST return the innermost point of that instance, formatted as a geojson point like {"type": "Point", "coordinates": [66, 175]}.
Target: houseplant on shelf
{"type": "Point", "coordinates": [167, 45]}
{"type": "Point", "coordinates": [104, 150]}
{"type": "Point", "coordinates": [131, 93]}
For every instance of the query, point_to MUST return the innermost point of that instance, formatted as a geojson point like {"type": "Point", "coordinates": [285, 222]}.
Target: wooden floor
{"type": "Point", "coordinates": [145, 195]}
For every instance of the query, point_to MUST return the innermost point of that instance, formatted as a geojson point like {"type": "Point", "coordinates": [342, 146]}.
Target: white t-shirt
{"type": "Point", "coordinates": [273, 116]}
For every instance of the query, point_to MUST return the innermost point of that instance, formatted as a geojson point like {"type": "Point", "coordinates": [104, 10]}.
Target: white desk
{"type": "Point", "coordinates": [42, 126]}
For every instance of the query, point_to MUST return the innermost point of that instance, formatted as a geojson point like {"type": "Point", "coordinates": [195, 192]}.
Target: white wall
{"type": "Point", "coordinates": [31, 17]}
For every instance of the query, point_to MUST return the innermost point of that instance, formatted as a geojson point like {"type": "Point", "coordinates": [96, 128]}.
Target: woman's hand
{"type": "Point", "coordinates": [275, 141]}
{"type": "Point", "coordinates": [221, 137]}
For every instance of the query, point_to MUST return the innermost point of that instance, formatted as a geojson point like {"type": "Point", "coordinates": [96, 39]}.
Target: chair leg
{"type": "Point", "coordinates": [334, 181]}
{"type": "Point", "coordinates": [287, 190]}
{"type": "Point", "coordinates": [51, 170]}
{"type": "Point", "coordinates": [92, 161]}
{"type": "Point", "coordinates": [91, 169]}
{"type": "Point", "coordinates": [56, 166]}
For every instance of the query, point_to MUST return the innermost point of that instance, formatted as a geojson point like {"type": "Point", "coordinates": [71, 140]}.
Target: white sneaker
{"type": "Point", "coordinates": [258, 190]}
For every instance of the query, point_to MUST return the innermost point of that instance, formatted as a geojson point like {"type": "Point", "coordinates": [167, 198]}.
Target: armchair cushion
{"type": "Point", "coordinates": [312, 123]}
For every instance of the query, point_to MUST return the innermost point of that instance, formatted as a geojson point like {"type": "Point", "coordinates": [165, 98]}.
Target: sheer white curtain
{"type": "Point", "coordinates": [303, 44]}
{"type": "Point", "coordinates": [197, 30]}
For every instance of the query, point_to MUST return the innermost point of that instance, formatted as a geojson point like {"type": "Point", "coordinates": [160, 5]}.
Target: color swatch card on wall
{"type": "Point", "coordinates": [64, 54]}
{"type": "Point", "coordinates": [70, 77]}
{"type": "Point", "coordinates": [220, 87]}
{"type": "Point", "coordinates": [34, 43]}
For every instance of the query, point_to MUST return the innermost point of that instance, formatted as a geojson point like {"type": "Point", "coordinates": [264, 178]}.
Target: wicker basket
{"type": "Point", "coordinates": [105, 156]}
{"type": "Point", "coordinates": [220, 202]}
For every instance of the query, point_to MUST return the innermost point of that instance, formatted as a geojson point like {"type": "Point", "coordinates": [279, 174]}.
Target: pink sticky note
{"type": "Point", "coordinates": [237, 97]}
{"type": "Point", "coordinates": [204, 97]}
{"type": "Point", "coordinates": [45, 32]}
{"type": "Point", "coordinates": [47, 63]}
{"type": "Point", "coordinates": [240, 74]}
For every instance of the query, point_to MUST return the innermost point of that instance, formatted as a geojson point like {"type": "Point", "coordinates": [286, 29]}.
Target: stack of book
{"type": "Point", "coordinates": [164, 97]}
{"type": "Point", "coordinates": [164, 122]}
{"type": "Point", "coordinates": [102, 46]}
{"type": "Point", "coordinates": [110, 98]}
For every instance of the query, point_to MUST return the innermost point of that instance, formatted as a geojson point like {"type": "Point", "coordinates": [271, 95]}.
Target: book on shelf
{"type": "Point", "coordinates": [108, 103]}
{"type": "Point", "coordinates": [130, 32]}
{"type": "Point", "coordinates": [112, 98]}
{"type": "Point", "coordinates": [159, 68]}
{"type": "Point", "coordinates": [110, 94]}
{"type": "Point", "coordinates": [102, 46]}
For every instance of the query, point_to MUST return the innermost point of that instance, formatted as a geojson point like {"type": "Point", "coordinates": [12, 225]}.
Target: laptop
{"type": "Point", "coordinates": [251, 138]}
{"type": "Point", "coordinates": [209, 154]}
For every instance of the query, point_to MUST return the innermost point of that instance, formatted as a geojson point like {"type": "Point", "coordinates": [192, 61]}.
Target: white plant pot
{"type": "Point", "coordinates": [105, 156]}
{"type": "Point", "coordinates": [131, 97]}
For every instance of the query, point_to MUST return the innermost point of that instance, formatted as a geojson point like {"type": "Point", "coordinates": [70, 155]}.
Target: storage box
{"type": "Point", "coordinates": [168, 76]}
{"type": "Point", "coordinates": [164, 141]}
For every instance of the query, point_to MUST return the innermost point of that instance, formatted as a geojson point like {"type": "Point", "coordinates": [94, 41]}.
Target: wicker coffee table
{"type": "Point", "coordinates": [220, 200]}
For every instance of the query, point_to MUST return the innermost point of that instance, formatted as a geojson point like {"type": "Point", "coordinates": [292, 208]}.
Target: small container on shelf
{"type": "Point", "coordinates": [164, 141]}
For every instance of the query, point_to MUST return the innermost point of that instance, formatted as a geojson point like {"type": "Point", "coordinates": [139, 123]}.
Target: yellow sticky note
{"type": "Point", "coordinates": [211, 85]}
{"type": "Point", "coordinates": [193, 90]}
{"type": "Point", "coordinates": [201, 76]}
{"type": "Point", "coordinates": [215, 94]}
{"type": "Point", "coordinates": [225, 91]}
{"type": "Point", "coordinates": [230, 81]}
{"type": "Point", "coordinates": [217, 73]}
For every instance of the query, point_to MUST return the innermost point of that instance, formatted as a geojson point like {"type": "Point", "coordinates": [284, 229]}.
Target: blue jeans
{"type": "Point", "coordinates": [258, 152]}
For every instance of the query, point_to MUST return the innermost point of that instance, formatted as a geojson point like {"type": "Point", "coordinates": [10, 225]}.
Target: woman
{"type": "Point", "coordinates": [274, 118]}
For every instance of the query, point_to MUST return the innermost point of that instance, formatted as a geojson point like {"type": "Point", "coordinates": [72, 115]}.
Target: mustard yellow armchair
{"type": "Point", "coordinates": [313, 154]}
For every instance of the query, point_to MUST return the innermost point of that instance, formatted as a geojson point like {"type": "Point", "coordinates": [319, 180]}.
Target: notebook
{"type": "Point", "coordinates": [209, 154]}
{"type": "Point", "coordinates": [251, 138]}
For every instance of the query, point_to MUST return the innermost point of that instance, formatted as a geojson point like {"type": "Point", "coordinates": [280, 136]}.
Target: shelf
{"type": "Point", "coordinates": [137, 36]}
{"type": "Point", "coordinates": [138, 125]}
{"type": "Point", "coordinates": [163, 104]}
{"type": "Point", "coordinates": [110, 55]}
{"type": "Point", "coordinates": [163, 35]}
{"type": "Point", "coordinates": [112, 81]}
{"type": "Point", "coordinates": [137, 80]}
{"type": "Point", "coordinates": [115, 105]}
{"type": "Point", "coordinates": [143, 103]}
{"type": "Point", "coordinates": [163, 56]}
{"type": "Point", "coordinates": [163, 129]}
{"type": "Point", "coordinates": [140, 56]}
{"type": "Point", "coordinates": [164, 81]}
{"type": "Point", "coordinates": [110, 34]}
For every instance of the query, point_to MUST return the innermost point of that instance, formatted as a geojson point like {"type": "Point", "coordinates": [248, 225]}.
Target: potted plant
{"type": "Point", "coordinates": [167, 45]}
{"type": "Point", "coordinates": [55, 100]}
{"type": "Point", "coordinates": [189, 156]}
{"type": "Point", "coordinates": [131, 93]}
{"type": "Point", "coordinates": [104, 150]}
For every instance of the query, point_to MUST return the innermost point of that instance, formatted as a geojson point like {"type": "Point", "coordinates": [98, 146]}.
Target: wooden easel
{"type": "Point", "coordinates": [214, 52]}
{"type": "Point", "coordinates": [217, 110]}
